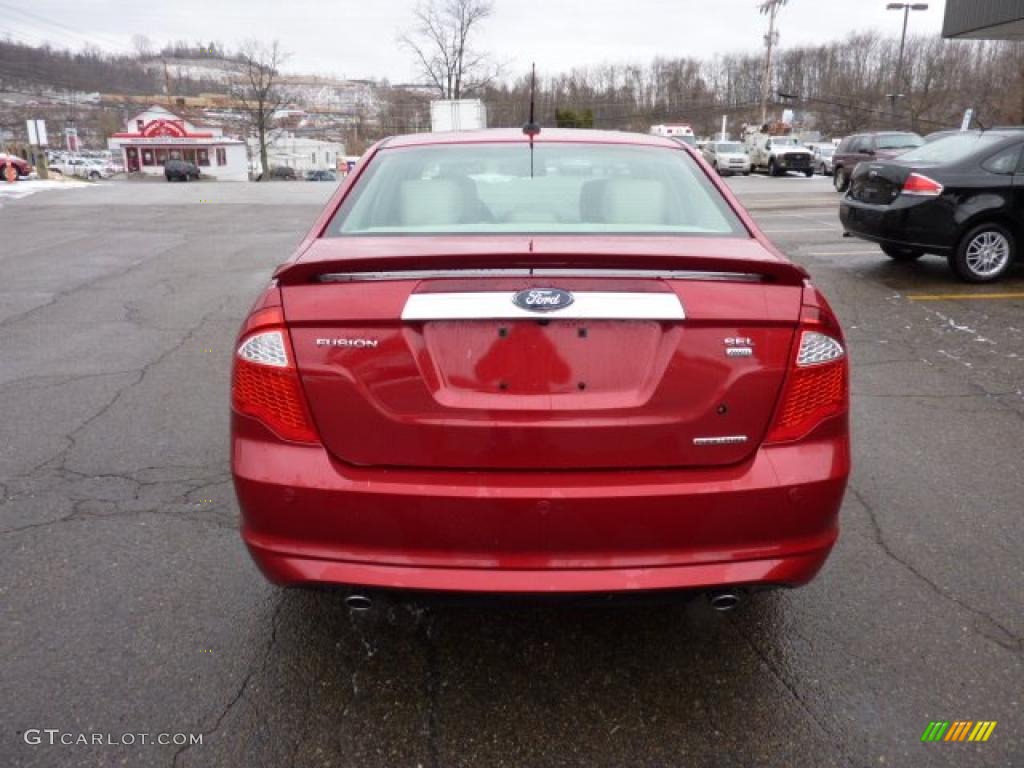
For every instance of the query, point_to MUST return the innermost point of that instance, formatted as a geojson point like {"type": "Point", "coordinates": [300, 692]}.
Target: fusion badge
{"type": "Point", "coordinates": [348, 343]}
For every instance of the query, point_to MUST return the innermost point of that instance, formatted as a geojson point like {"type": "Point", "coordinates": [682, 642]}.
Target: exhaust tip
{"type": "Point", "coordinates": [724, 601]}
{"type": "Point", "coordinates": [358, 603]}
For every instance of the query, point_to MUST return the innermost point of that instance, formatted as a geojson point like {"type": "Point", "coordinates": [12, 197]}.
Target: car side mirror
{"type": "Point", "coordinates": [868, 151]}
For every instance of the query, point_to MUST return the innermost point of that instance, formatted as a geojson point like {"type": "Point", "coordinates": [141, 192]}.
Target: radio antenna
{"type": "Point", "coordinates": [531, 128]}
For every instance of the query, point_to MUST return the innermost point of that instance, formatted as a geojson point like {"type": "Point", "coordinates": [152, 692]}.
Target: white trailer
{"type": "Point", "coordinates": [674, 129]}
{"type": "Point", "coordinates": [457, 115]}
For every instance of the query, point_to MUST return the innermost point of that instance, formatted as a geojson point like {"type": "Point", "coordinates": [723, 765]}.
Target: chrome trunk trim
{"type": "Point", "coordinates": [586, 305]}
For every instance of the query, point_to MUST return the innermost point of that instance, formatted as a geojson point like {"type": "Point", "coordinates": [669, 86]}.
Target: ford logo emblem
{"type": "Point", "coordinates": [542, 299]}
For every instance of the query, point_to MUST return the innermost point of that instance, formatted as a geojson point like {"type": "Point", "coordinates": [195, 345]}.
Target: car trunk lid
{"type": "Point", "coordinates": [437, 367]}
{"type": "Point", "coordinates": [878, 183]}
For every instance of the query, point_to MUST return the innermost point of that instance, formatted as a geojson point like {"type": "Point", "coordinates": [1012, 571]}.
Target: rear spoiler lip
{"type": "Point", "coordinates": [554, 272]}
{"type": "Point", "coordinates": [302, 272]}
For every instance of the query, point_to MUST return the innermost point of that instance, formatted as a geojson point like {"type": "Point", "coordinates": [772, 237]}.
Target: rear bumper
{"type": "Point", "coordinates": [911, 223]}
{"type": "Point", "coordinates": [308, 519]}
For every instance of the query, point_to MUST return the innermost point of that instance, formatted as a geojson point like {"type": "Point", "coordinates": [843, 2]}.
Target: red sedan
{"type": "Point", "coordinates": [21, 168]}
{"type": "Point", "coordinates": [569, 364]}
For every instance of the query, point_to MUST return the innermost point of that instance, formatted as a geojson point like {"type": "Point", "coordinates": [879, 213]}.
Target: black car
{"type": "Point", "coordinates": [180, 169]}
{"type": "Point", "coordinates": [960, 196]}
{"type": "Point", "coordinates": [873, 145]}
{"type": "Point", "coordinates": [283, 173]}
{"type": "Point", "coordinates": [321, 176]}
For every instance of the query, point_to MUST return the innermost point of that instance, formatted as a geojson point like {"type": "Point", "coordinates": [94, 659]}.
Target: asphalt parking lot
{"type": "Point", "coordinates": [130, 605]}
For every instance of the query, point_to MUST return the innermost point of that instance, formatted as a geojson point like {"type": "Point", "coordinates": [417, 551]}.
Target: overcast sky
{"type": "Point", "coordinates": [356, 38]}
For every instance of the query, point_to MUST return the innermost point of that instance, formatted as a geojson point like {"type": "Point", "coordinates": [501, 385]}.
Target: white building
{"type": "Point", "coordinates": [298, 152]}
{"type": "Point", "coordinates": [156, 135]}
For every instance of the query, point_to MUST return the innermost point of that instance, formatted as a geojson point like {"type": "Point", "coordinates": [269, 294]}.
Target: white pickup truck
{"type": "Point", "coordinates": [85, 167]}
{"type": "Point", "coordinates": [777, 155]}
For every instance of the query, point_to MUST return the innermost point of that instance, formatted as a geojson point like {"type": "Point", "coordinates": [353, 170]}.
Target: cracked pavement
{"type": "Point", "coordinates": [130, 605]}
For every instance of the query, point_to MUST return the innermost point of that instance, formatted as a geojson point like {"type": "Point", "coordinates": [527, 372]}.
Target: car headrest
{"type": "Point", "coordinates": [591, 194]}
{"type": "Point", "coordinates": [436, 201]}
{"type": "Point", "coordinates": [633, 201]}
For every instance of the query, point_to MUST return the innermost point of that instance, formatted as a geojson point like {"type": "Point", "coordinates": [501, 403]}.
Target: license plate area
{"type": "Point", "coordinates": [515, 359]}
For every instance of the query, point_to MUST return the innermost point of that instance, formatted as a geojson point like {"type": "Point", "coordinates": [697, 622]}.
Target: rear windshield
{"type": "Point", "coordinates": [727, 147]}
{"type": "Point", "coordinates": [556, 188]}
{"type": "Point", "coordinates": [898, 141]}
{"type": "Point", "coordinates": [951, 149]}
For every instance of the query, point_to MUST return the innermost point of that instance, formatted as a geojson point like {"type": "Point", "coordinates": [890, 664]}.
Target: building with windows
{"type": "Point", "coordinates": [156, 135]}
{"type": "Point", "coordinates": [298, 152]}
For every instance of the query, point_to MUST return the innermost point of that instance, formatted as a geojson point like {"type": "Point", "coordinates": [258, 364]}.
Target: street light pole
{"type": "Point", "coordinates": [898, 75]}
{"type": "Point", "coordinates": [770, 7]}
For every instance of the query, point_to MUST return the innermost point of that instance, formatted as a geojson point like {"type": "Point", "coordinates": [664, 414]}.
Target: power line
{"type": "Point", "coordinates": [70, 32]}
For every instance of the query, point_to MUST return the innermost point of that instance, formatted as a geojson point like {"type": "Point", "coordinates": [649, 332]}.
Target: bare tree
{"type": "Point", "coordinates": [259, 89]}
{"type": "Point", "coordinates": [440, 41]}
{"type": "Point", "coordinates": [143, 45]}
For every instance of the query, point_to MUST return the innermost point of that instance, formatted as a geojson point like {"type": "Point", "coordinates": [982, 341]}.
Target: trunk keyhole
{"type": "Point", "coordinates": [582, 333]}
{"type": "Point", "coordinates": [723, 409]}
{"type": "Point", "coordinates": [502, 386]}
{"type": "Point", "coordinates": [503, 333]}
{"type": "Point", "coordinates": [581, 386]}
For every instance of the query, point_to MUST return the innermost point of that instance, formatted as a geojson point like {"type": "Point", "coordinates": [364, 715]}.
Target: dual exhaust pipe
{"type": "Point", "coordinates": [723, 600]}
{"type": "Point", "coordinates": [358, 603]}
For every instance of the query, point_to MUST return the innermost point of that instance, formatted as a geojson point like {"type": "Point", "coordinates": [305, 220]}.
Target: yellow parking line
{"type": "Point", "coordinates": [965, 296]}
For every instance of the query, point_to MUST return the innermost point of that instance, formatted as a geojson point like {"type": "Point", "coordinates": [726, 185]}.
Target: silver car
{"type": "Point", "coordinates": [821, 158]}
{"type": "Point", "coordinates": [727, 157]}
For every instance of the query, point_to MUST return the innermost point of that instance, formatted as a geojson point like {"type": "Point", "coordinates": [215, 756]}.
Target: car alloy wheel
{"type": "Point", "coordinates": [987, 254]}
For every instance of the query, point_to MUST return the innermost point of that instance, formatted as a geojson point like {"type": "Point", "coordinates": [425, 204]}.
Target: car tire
{"type": "Point", "coordinates": [899, 253]}
{"type": "Point", "coordinates": [772, 170]}
{"type": "Point", "coordinates": [93, 176]}
{"type": "Point", "coordinates": [809, 172]}
{"type": "Point", "coordinates": [840, 180]}
{"type": "Point", "coordinates": [984, 254]}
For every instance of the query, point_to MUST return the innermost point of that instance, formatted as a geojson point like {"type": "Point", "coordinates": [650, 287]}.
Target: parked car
{"type": "Point", "coordinates": [877, 145]}
{"type": "Point", "coordinates": [283, 173]}
{"type": "Point", "coordinates": [934, 135]}
{"type": "Point", "coordinates": [23, 167]}
{"type": "Point", "coordinates": [821, 158]}
{"type": "Point", "coordinates": [181, 170]}
{"type": "Point", "coordinates": [321, 176]}
{"type": "Point", "coordinates": [473, 377]}
{"type": "Point", "coordinates": [727, 157]}
{"type": "Point", "coordinates": [778, 155]}
{"type": "Point", "coordinates": [82, 167]}
{"type": "Point", "coordinates": [961, 197]}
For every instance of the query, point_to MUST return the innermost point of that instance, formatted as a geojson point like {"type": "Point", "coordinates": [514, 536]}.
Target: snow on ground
{"type": "Point", "coordinates": [25, 187]}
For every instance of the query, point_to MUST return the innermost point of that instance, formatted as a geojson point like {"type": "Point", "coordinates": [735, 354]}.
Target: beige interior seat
{"type": "Point", "coordinates": [634, 201]}
{"type": "Point", "coordinates": [431, 202]}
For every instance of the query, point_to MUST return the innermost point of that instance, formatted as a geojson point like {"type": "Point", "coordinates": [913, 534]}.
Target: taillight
{"type": "Point", "coordinates": [917, 184]}
{"type": "Point", "coordinates": [265, 383]}
{"type": "Point", "coordinates": [817, 386]}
